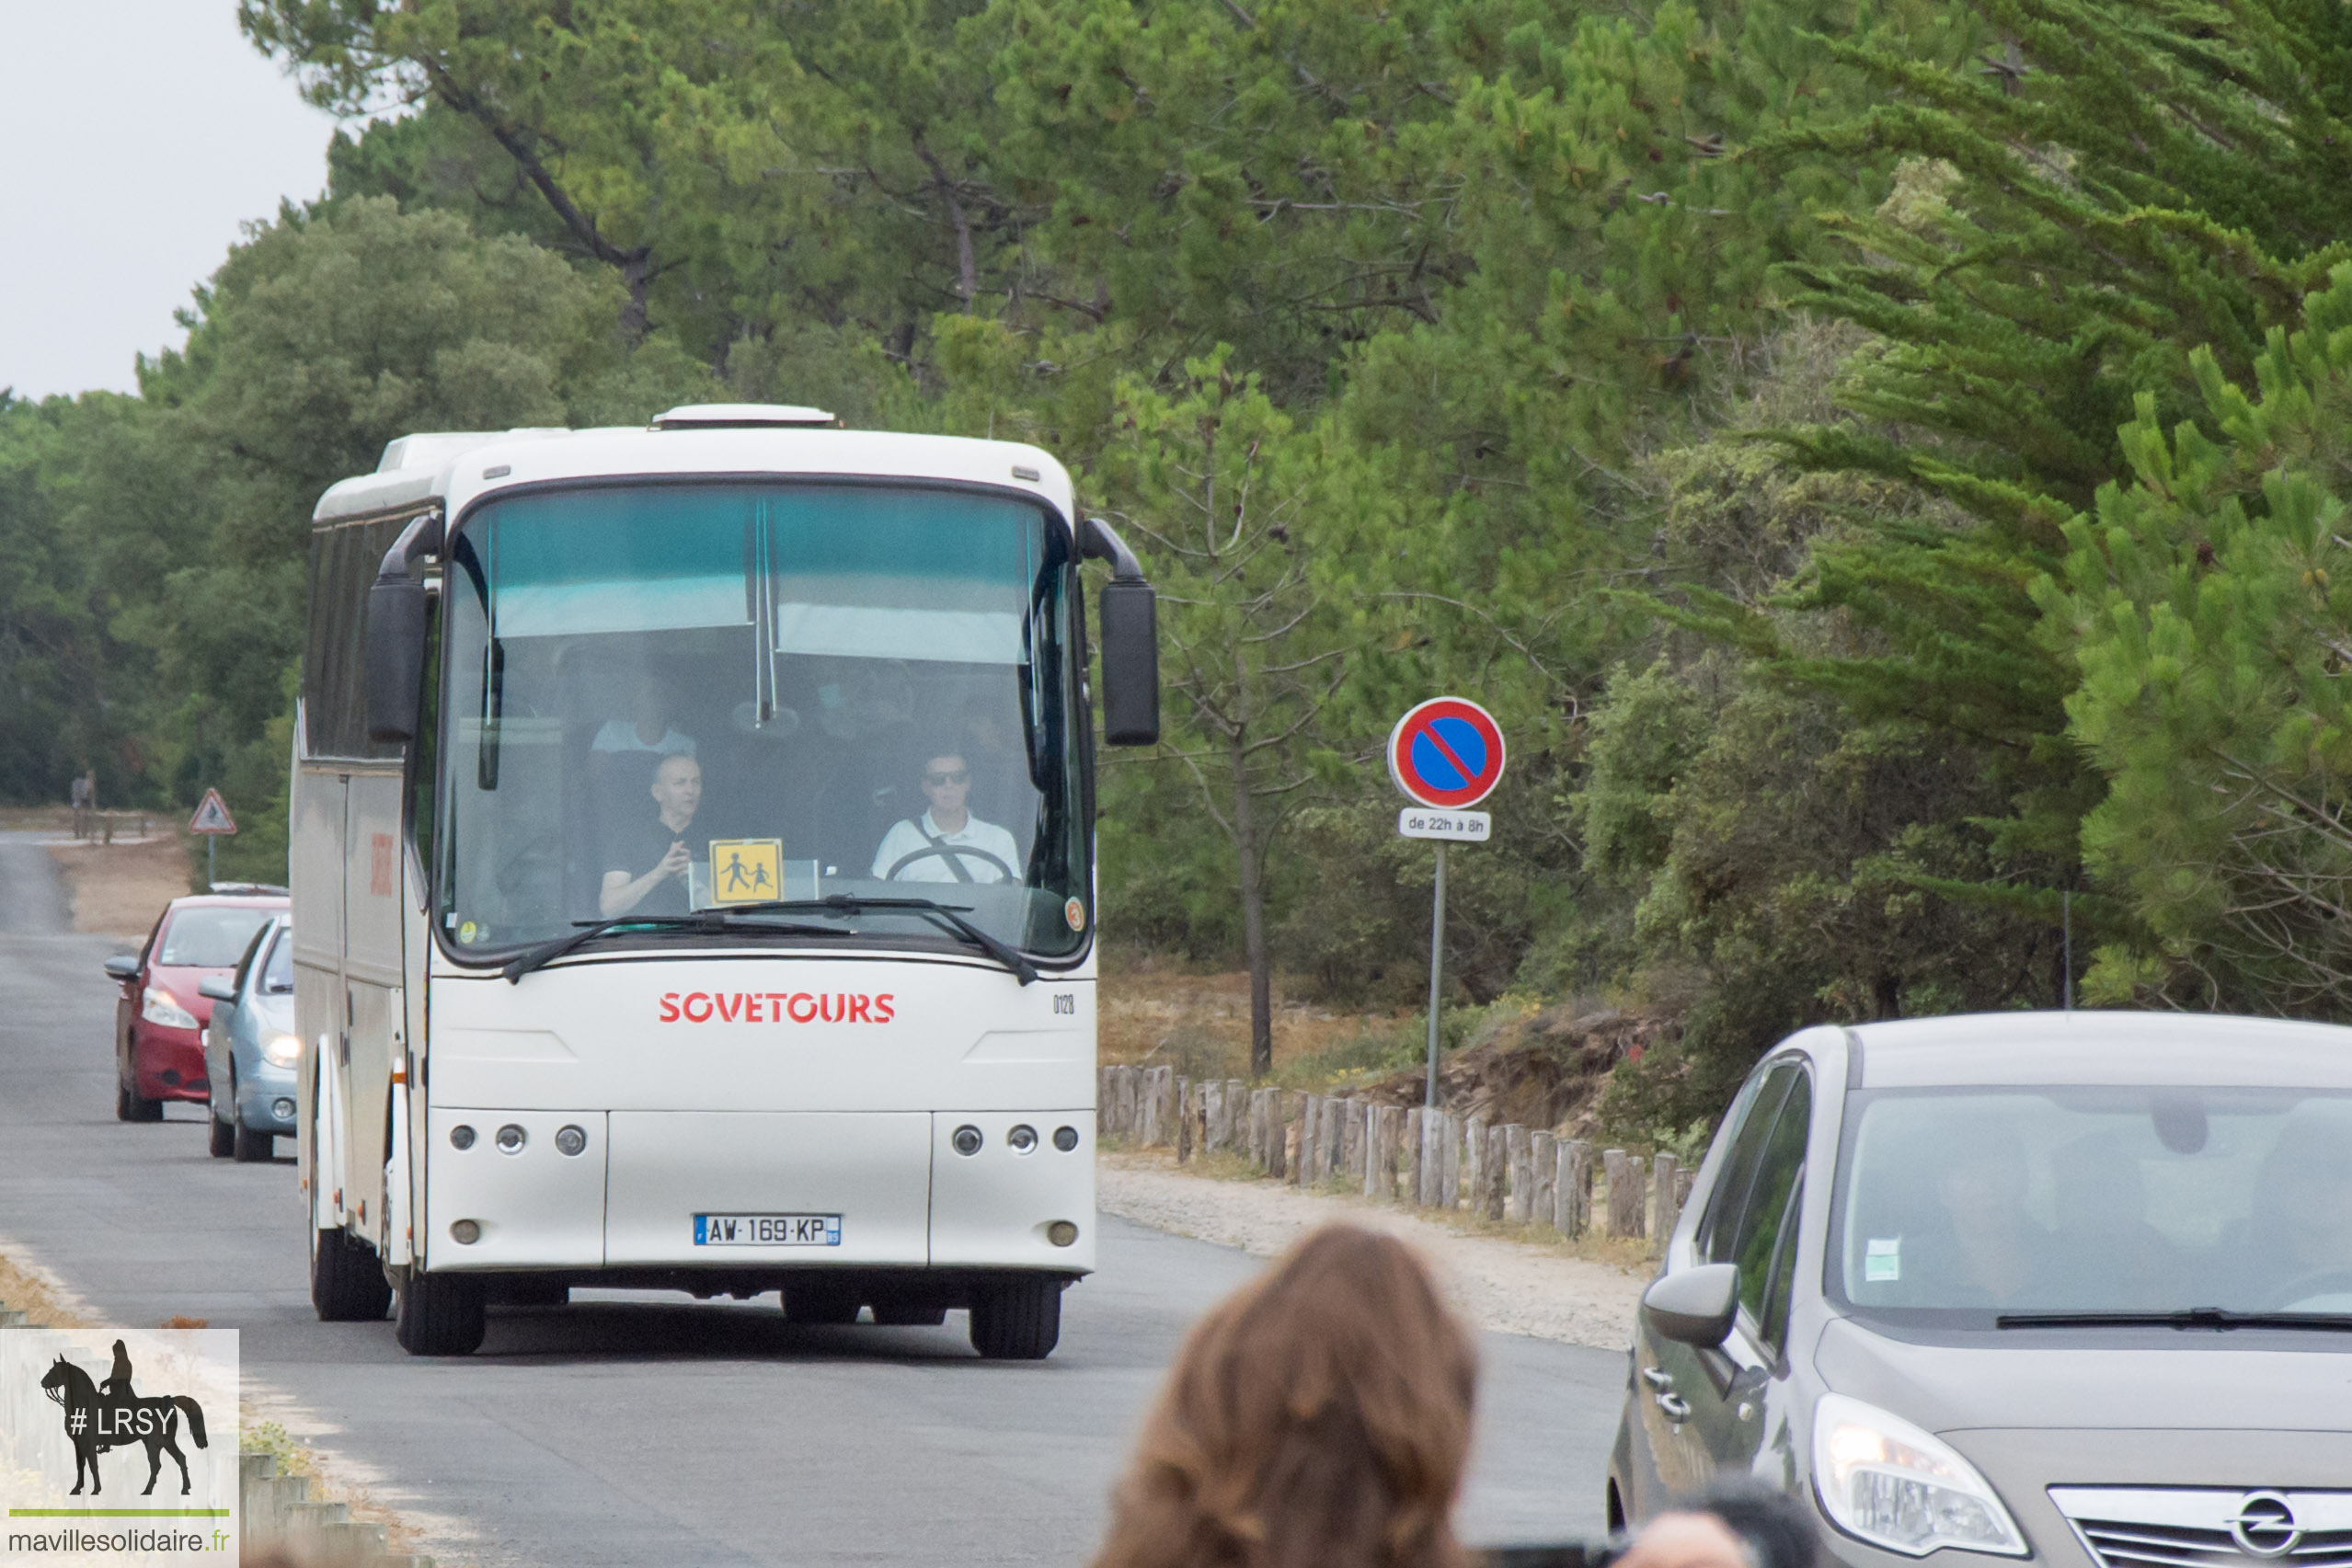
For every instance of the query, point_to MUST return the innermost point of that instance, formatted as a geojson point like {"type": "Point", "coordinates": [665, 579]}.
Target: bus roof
{"type": "Point", "coordinates": [458, 467]}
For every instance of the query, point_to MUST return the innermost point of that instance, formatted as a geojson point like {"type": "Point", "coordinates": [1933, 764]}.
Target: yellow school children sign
{"type": "Point", "coordinates": [746, 871]}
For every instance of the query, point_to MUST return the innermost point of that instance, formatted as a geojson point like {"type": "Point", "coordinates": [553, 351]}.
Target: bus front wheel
{"type": "Point", "coordinates": [1018, 1317]}
{"type": "Point", "coordinates": [441, 1314]}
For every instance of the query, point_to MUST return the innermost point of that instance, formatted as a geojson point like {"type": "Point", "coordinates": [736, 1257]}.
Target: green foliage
{"type": "Point", "coordinates": [2105, 188]}
{"type": "Point", "coordinates": [1440, 347]}
{"type": "Point", "coordinates": [2209, 602]}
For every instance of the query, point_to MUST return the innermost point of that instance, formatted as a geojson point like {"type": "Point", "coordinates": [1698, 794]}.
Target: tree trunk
{"type": "Point", "coordinates": [1261, 978]}
{"type": "Point", "coordinates": [637, 275]}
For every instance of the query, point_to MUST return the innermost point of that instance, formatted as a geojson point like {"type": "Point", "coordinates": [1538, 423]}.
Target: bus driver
{"type": "Point", "coordinates": [948, 843]}
{"type": "Point", "coordinates": [659, 840]}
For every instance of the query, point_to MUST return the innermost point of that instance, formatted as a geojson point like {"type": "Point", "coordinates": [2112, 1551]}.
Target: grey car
{"type": "Point", "coordinates": [2075, 1286]}
{"type": "Point", "coordinates": [250, 1047]}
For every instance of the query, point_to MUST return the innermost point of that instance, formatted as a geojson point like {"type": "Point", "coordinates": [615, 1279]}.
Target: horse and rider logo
{"type": "Point", "coordinates": [110, 1414]}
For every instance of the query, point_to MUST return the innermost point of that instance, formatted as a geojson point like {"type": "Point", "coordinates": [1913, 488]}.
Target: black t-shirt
{"type": "Point", "coordinates": [640, 848]}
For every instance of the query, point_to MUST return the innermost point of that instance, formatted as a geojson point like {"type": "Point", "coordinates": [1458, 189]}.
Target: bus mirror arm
{"type": "Point", "coordinates": [1130, 639]}
{"type": "Point", "coordinates": [395, 633]}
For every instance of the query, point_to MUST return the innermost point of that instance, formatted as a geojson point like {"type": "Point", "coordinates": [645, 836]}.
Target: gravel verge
{"type": "Point", "coordinates": [1506, 1286]}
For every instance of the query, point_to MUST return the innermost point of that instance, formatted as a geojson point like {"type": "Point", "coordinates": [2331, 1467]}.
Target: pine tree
{"type": "Point", "coordinates": [2105, 189]}
{"type": "Point", "coordinates": [2208, 600]}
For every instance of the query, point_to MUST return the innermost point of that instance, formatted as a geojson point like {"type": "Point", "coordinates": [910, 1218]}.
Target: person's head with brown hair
{"type": "Point", "coordinates": [1317, 1418]}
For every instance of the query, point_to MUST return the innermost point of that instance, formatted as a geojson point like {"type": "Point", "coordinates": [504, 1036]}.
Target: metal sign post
{"type": "Point", "coordinates": [1445, 755]}
{"type": "Point", "coordinates": [214, 821]}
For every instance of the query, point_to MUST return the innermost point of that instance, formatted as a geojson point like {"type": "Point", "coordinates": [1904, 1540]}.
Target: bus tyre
{"type": "Point", "coordinates": [442, 1315]}
{"type": "Point", "coordinates": [347, 1283]}
{"type": "Point", "coordinates": [1018, 1318]}
{"type": "Point", "coordinates": [223, 1138]}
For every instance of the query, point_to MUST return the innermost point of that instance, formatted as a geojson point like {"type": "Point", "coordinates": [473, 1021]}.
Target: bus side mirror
{"type": "Point", "coordinates": [1130, 637]}
{"type": "Point", "coordinates": [395, 634]}
{"type": "Point", "coordinates": [396, 658]}
{"type": "Point", "coordinates": [1130, 664]}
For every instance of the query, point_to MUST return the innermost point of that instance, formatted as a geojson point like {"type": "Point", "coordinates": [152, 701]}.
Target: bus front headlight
{"type": "Point", "coordinates": [159, 1006]}
{"type": "Point", "coordinates": [281, 1051]}
{"type": "Point", "coordinates": [1883, 1479]}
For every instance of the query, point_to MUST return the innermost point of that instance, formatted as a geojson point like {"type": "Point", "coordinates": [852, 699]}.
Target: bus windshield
{"type": "Point", "coordinates": [664, 698]}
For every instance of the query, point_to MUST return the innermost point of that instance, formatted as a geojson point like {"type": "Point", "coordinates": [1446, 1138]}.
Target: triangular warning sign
{"type": "Point", "coordinates": [212, 815]}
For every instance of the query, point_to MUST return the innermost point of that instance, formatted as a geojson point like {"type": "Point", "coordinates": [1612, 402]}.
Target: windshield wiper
{"type": "Point", "coordinates": [712, 920]}
{"type": "Point", "coordinates": [2184, 1318]}
{"type": "Point", "coordinates": [950, 915]}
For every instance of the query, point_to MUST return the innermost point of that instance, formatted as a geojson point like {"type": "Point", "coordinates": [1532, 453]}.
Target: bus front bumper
{"type": "Point", "coordinates": [758, 1194]}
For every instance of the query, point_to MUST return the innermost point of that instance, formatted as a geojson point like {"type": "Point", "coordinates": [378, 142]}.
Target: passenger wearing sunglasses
{"type": "Point", "coordinates": [948, 843]}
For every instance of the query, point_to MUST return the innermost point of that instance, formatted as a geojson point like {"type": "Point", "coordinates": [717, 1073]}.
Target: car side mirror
{"type": "Point", "coordinates": [122, 967]}
{"type": "Point", "coordinates": [395, 634]}
{"type": "Point", "coordinates": [218, 990]}
{"type": "Point", "coordinates": [1130, 636]}
{"type": "Point", "coordinates": [1694, 1306]}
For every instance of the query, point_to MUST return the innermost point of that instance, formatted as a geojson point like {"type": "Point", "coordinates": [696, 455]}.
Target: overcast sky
{"type": "Point", "coordinates": [135, 135]}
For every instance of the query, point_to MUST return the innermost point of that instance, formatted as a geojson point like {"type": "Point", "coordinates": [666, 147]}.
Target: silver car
{"type": "Point", "coordinates": [250, 1047]}
{"type": "Point", "coordinates": [2075, 1286]}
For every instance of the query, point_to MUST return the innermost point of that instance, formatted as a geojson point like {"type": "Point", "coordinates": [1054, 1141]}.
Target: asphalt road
{"type": "Point", "coordinates": [646, 1429]}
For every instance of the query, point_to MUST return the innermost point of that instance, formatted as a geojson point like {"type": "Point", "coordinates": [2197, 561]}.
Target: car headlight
{"type": "Point", "coordinates": [159, 1006]}
{"type": "Point", "coordinates": [1883, 1479]}
{"type": "Point", "coordinates": [281, 1051]}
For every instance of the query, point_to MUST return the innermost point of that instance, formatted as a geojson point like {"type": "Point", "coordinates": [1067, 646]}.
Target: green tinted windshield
{"type": "Point", "coordinates": [661, 699]}
{"type": "Point", "coordinates": [2096, 1199]}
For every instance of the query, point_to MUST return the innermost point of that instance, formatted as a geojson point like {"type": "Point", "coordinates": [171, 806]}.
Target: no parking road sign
{"type": "Point", "coordinates": [1446, 753]}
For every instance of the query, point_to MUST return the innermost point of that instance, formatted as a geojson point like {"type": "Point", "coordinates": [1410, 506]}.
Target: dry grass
{"type": "Point", "coordinates": [1200, 1022]}
{"type": "Point", "coordinates": [29, 1293]}
{"type": "Point", "coordinates": [119, 890]}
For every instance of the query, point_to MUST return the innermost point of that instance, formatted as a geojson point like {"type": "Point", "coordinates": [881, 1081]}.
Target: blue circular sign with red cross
{"type": "Point", "coordinates": [1446, 753]}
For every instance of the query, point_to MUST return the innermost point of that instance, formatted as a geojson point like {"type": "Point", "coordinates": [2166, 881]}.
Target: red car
{"type": "Point", "coordinates": [159, 1022]}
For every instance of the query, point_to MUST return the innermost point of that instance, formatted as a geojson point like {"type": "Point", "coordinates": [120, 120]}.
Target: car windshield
{"type": "Point", "coordinates": [2096, 1200]}
{"type": "Point", "coordinates": [277, 973]}
{"type": "Point", "coordinates": [662, 698]}
{"type": "Point", "coordinates": [209, 937]}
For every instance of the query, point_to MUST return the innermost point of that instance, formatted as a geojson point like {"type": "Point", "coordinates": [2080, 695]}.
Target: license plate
{"type": "Point", "coordinates": [767, 1230]}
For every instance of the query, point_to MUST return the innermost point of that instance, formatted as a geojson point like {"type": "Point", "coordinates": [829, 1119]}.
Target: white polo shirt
{"type": "Point", "coordinates": [905, 838]}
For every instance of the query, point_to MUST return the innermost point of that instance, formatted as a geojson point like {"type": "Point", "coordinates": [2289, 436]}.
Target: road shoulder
{"type": "Point", "coordinates": [1502, 1284]}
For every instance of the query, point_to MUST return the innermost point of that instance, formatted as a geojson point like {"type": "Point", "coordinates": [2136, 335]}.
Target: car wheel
{"type": "Point", "coordinates": [253, 1147]}
{"type": "Point", "coordinates": [441, 1314]}
{"type": "Point", "coordinates": [346, 1282]}
{"type": "Point", "coordinates": [1018, 1318]}
{"type": "Point", "coordinates": [223, 1138]}
{"type": "Point", "coordinates": [123, 1102]}
{"type": "Point", "coordinates": [134, 1107]}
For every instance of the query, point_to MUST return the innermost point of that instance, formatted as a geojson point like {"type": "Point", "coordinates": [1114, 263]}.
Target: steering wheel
{"type": "Point", "coordinates": [2327, 1282]}
{"type": "Point", "coordinates": [942, 852]}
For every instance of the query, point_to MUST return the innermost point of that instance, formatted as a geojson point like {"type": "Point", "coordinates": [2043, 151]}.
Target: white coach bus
{"type": "Point", "coordinates": [693, 873]}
